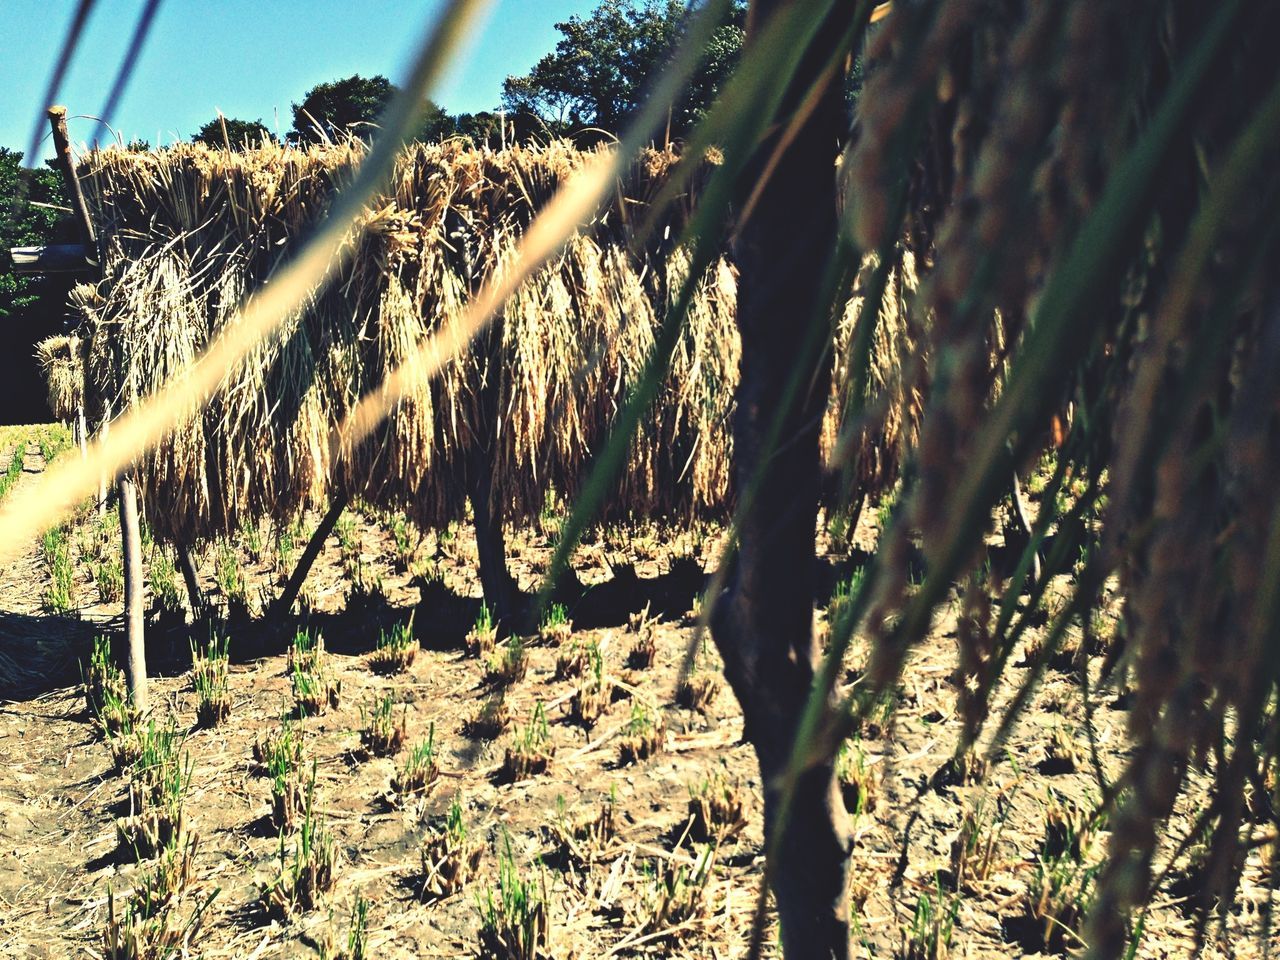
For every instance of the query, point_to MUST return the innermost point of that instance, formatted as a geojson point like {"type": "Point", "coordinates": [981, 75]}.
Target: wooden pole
{"type": "Point", "coordinates": [82, 440]}
{"type": "Point", "coordinates": [103, 429]}
{"type": "Point", "coordinates": [131, 548]}
{"type": "Point", "coordinates": [284, 603]}
{"type": "Point", "coordinates": [194, 594]}
{"type": "Point", "coordinates": [62, 146]}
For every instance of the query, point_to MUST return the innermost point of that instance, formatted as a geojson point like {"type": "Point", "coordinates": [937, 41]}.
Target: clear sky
{"type": "Point", "coordinates": [250, 59]}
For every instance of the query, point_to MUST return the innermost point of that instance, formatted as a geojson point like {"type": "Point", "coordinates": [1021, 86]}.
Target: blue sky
{"type": "Point", "coordinates": [249, 58]}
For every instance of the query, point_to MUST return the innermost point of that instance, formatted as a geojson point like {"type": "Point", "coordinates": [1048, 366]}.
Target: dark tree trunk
{"type": "Point", "coordinates": [284, 603]}
{"type": "Point", "coordinates": [763, 621]}
{"type": "Point", "coordinates": [131, 548]}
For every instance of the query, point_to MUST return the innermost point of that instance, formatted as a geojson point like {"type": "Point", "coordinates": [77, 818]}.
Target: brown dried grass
{"type": "Point", "coordinates": [189, 231]}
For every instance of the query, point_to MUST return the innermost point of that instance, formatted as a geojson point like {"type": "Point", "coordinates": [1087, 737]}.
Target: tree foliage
{"type": "Point", "coordinates": [30, 307]}
{"type": "Point", "coordinates": [347, 106]}
{"type": "Point", "coordinates": [24, 224]}
{"type": "Point", "coordinates": [221, 131]}
{"type": "Point", "coordinates": [598, 72]}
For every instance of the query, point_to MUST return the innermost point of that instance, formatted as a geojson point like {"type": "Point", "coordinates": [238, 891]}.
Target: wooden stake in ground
{"type": "Point", "coordinates": [131, 548]}
{"type": "Point", "coordinates": [195, 596]}
{"type": "Point", "coordinates": [284, 603]}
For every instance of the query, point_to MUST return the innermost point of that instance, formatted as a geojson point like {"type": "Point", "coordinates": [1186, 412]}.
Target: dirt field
{"type": "Point", "coordinates": [597, 836]}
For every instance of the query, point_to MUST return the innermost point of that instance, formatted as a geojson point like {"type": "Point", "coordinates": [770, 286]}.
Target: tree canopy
{"type": "Point", "coordinates": [598, 72]}
{"type": "Point", "coordinates": [237, 134]}
{"type": "Point", "coordinates": [349, 105]}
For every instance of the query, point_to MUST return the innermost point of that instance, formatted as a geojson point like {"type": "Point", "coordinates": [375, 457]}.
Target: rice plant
{"type": "Point", "coordinates": [594, 692]}
{"type": "Point", "coordinates": [450, 856]}
{"type": "Point", "coordinates": [717, 809]}
{"type": "Point", "coordinates": [302, 879]}
{"type": "Point", "coordinates": [677, 892]}
{"type": "Point", "coordinates": [365, 589]}
{"type": "Point", "coordinates": [119, 720]}
{"type": "Point", "coordinates": [932, 927]}
{"type": "Point", "coordinates": [583, 842]}
{"type": "Point", "coordinates": [108, 577]}
{"type": "Point", "coordinates": [104, 678]}
{"type": "Point", "coordinates": [514, 922]}
{"type": "Point", "coordinates": [54, 441]}
{"type": "Point", "coordinates": [419, 772]}
{"type": "Point", "coordinates": [159, 780]}
{"type": "Point", "coordinates": [14, 470]}
{"type": "Point", "coordinates": [531, 750]}
{"type": "Point", "coordinates": [59, 596]}
{"type": "Point", "coordinates": [356, 944]}
{"type": "Point", "coordinates": [383, 733]}
{"type": "Point", "coordinates": [280, 757]}
{"type": "Point", "coordinates": [228, 575]}
{"type": "Point", "coordinates": [556, 626]}
{"type": "Point", "coordinates": [642, 736]}
{"type": "Point", "coordinates": [644, 648]}
{"type": "Point", "coordinates": [250, 538]}
{"type": "Point", "coordinates": [698, 689]}
{"type": "Point", "coordinates": [1062, 887]}
{"type": "Point", "coordinates": [973, 849]}
{"type": "Point", "coordinates": [507, 663]}
{"type": "Point", "coordinates": [284, 552]}
{"type": "Point", "coordinates": [859, 781]}
{"type": "Point", "coordinates": [490, 719]}
{"type": "Point", "coordinates": [403, 540]}
{"type": "Point", "coordinates": [348, 538]}
{"type": "Point", "coordinates": [314, 690]}
{"type": "Point", "coordinates": [1062, 753]}
{"type": "Point", "coordinates": [162, 580]}
{"type": "Point", "coordinates": [396, 649]}
{"type": "Point", "coordinates": [209, 680]}
{"type": "Point", "coordinates": [483, 634]}
{"type": "Point", "coordinates": [149, 925]}
{"type": "Point", "coordinates": [573, 658]}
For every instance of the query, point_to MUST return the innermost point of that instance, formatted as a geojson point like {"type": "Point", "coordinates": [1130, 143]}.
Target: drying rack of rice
{"type": "Point", "coordinates": [187, 231]}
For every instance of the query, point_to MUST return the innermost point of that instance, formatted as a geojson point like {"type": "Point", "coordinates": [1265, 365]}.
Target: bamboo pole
{"type": "Point", "coordinates": [131, 544]}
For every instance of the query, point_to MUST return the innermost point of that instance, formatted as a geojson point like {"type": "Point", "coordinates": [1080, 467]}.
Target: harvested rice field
{"type": "Point", "coordinates": [382, 776]}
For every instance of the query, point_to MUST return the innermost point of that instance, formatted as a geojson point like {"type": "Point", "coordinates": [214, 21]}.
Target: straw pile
{"type": "Point", "coordinates": [62, 364]}
{"type": "Point", "coordinates": [188, 230]}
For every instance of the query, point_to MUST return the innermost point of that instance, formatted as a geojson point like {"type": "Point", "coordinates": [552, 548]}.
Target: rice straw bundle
{"type": "Point", "coordinates": [188, 230]}
{"type": "Point", "coordinates": [62, 365]}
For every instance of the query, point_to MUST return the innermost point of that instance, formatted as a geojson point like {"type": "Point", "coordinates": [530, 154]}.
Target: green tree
{"type": "Point", "coordinates": [238, 133]}
{"type": "Point", "coordinates": [597, 75]}
{"type": "Point", "coordinates": [30, 307]}
{"type": "Point", "coordinates": [350, 105]}
{"type": "Point", "coordinates": [437, 124]}
{"type": "Point", "coordinates": [26, 222]}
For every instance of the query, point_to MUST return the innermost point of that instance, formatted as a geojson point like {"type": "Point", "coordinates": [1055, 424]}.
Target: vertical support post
{"type": "Point", "coordinates": [131, 548]}
{"type": "Point", "coordinates": [62, 147]}
{"type": "Point", "coordinates": [103, 430]}
{"type": "Point", "coordinates": [187, 564]}
{"type": "Point", "coordinates": [81, 432]}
